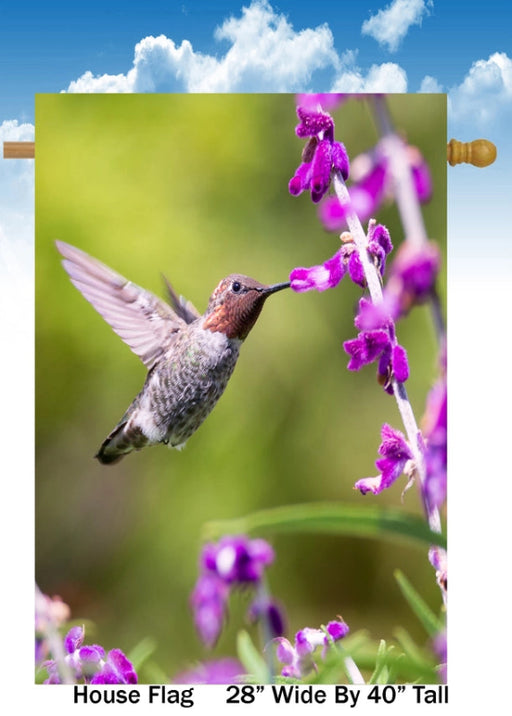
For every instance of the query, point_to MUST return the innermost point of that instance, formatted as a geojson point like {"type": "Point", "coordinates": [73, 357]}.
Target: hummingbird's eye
{"type": "Point", "coordinates": [236, 286]}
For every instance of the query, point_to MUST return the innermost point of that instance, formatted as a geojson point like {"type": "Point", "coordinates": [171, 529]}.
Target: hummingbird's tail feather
{"type": "Point", "coordinates": [121, 441]}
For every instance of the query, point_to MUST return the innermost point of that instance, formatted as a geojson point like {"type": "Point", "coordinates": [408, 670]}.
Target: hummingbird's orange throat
{"type": "Point", "coordinates": [238, 311]}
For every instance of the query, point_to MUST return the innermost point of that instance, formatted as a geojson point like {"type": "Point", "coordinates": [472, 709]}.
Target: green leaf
{"type": "Point", "coordinates": [141, 652]}
{"type": "Point", "coordinates": [251, 658]}
{"type": "Point", "coordinates": [430, 621]}
{"type": "Point", "coordinates": [420, 659]}
{"type": "Point", "coordinates": [334, 518]}
{"type": "Point", "coordinates": [380, 663]}
{"type": "Point", "coordinates": [330, 670]}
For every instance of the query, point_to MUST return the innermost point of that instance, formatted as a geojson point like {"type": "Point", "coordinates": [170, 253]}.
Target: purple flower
{"type": "Point", "coordinates": [434, 428]}
{"type": "Point", "coordinates": [377, 340]}
{"type": "Point", "coordinates": [238, 559]}
{"type": "Point", "coordinates": [379, 244]}
{"type": "Point", "coordinates": [314, 123]}
{"type": "Point", "coordinates": [297, 658]}
{"type": "Point", "coordinates": [235, 561]}
{"type": "Point", "coordinates": [220, 671]}
{"type": "Point", "coordinates": [441, 649]}
{"type": "Point", "coordinates": [412, 276]}
{"type": "Point", "coordinates": [88, 663]}
{"type": "Point", "coordinates": [366, 347]}
{"type": "Point", "coordinates": [321, 154]}
{"type": "Point", "coordinates": [395, 453]}
{"type": "Point", "coordinates": [439, 560]}
{"type": "Point", "coordinates": [365, 198]}
{"type": "Point", "coordinates": [420, 173]}
{"type": "Point", "coordinates": [209, 602]}
{"type": "Point", "coordinates": [48, 611]}
{"type": "Point", "coordinates": [74, 639]}
{"type": "Point", "coordinates": [264, 608]}
{"type": "Point", "coordinates": [117, 669]}
{"type": "Point", "coordinates": [372, 184]}
{"type": "Point", "coordinates": [328, 275]}
{"type": "Point", "coordinates": [328, 101]}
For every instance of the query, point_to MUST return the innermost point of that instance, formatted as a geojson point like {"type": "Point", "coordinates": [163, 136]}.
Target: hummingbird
{"type": "Point", "coordinates": [190, 357]}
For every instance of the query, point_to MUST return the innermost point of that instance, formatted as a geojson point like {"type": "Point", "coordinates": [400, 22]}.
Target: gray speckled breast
{"type": "Point", "coordinates": [182, 389]}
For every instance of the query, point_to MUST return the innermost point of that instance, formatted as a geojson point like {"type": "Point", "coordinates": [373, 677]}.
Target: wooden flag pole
{"type": "Point", "coordinates": [19, 150]}
{"type": "Point", "coordinates": [479, 152]}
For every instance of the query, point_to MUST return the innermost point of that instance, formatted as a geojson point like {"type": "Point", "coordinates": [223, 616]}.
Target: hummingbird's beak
{"type": "Point", "coordinates": [267, 290]}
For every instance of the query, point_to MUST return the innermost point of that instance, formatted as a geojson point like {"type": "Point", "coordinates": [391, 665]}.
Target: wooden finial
{"type": "Point", "coordinates": [479, 152]}
{"type": "Point", "coordinates": [19, 150]}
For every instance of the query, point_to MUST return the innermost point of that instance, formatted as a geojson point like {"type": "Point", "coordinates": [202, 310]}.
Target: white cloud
{"type": "Point", "coordinates": [430, 85]}
{"type": "Point", "coordinates": [387, 77]}
{"type": "Point", "coordinates": [16, 246]}
{"type": "Point", "coordinates": [12, 131]}
{"type": "Point", "coordinates": [88, 83]}
{"type": "Point", "coordinates": [485, 94]}
{"type": "Point", "coordinates": [390, 26]}
{"type": "Point", "coordinates": [266, 54]}
{"type": "Point", "coordinates": [16, 190]}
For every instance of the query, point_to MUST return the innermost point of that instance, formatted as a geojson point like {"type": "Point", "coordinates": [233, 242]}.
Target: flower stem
{"type": "Point", "coordinates": [266, 631]}
{"type": "Point", "coordinates": [359, 236]}
{"type": "Point", "coordinates": [405, 195]}
{"type": "Point", "coordinates": [352, 671]}
{"type": "Point", "coordinates": [399, 391]}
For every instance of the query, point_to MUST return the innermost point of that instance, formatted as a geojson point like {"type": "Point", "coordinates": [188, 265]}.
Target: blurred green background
{"type": "Point", "coordinates": [195, 186]}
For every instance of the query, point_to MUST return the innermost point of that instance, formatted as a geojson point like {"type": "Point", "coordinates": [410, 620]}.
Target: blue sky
{"type": "Point", "coordinates": [399, 46]}
{"type": "Point", "coordinates": [49, 45]}
{"type": "Point", "coordinates": [463, 49]}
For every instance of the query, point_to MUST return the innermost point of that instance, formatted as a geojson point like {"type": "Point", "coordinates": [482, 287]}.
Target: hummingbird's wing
{"type": "Point", "coordinates": [144, 322]}
{"type": "Point", "coordinates": [185, 309]}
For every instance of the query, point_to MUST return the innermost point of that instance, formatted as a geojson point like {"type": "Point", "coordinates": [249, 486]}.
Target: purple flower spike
{"type": "Point", "coordinates": [355, 270]}
{"type": "Point", "coordinates": [377, 341]}
{"type": "Point", "coordinates": [372, 185]}
{"type": "Point", "coordinates": [74, 639]}
{"type": "Point", "coordinates": [400, 366]}
{"type": "Point", "coordinates": [48, 610]}
{"type": "Point", "coordinates": [340, 159]}
{"type": "Point", "coordinates": [300, 181]}
{"type": "Point", "coordinates": [379, 244]}
{"type": "Point", "coordinates": [232, 562]}
{"type": "Point", "coordinates": [371, 315]}
{"type": "Point", "coordinates": [434, 425]}
{"type": "Point", "coordinates": [271, 612]}
{"type": "Point", "coordinates": [116, 670]}
{"type": "Point", "coordinates": [395, 453]}
{"type": "Point", "coordinates": [285, 651]}
{"type": "Point", "coordinates": [379, 234]}
{"type": "Point", "coordinates": [321, 154]}
{"type": "Point", "coordinates": [420, 174]}
{"type": "Point", "coordinates": [366, 348]}
{"type": "Point", "coordinates": [91, 659]}
{"type": "Point", "coordinates": [337, 630]}
{"type": "Point", "coordinates": [237, 559]}
{"type": "Point", "coordinates": [321, 170]}
{"type": "Point", "coordinates": [332, 213]}
{"type": "Point", "coordinates": [328, 275]}
{"type": "Point", "coordinates": [298, 658]}
{"type": "Point", "coordinates": [365, 198]}
{"type": "Point", "coordinates": [88, 664]}
{"type": "Point", "coordinates": [440, 647]}
{"type": "Point", "coordinates": [208, 601]}
{"type": "Point", "coordinates": [412, 276]}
